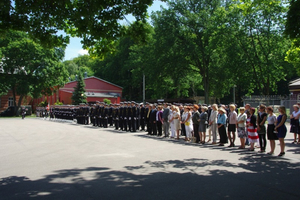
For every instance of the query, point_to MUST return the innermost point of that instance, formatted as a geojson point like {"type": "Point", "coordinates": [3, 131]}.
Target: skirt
{"type": "Point", "coordinates": [281, 131]}
{"type": "Point", "coordinates": [270, 132]}
{"type": "Point", "coordinates": [242, 132]}
{"type": "Point", "coordinates": [252, 134]}
{"type": "Point", "coordinates": [231, 128]}
{"type": "Point", "coordinates": [294, 126]}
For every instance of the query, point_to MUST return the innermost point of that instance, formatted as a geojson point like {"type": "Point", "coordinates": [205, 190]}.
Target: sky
{"type": "Point", "coordinates": [74, 48]}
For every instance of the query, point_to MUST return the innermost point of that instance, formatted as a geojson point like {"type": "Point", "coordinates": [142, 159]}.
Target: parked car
{"type": "Point", "coordinates": [9, 112]}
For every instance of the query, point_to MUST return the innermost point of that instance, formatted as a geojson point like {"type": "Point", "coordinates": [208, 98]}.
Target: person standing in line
{"type": "Point", "coordinates": [153, 120]}
{"type": "Point", "coordinates": [171, 121]}
{"type": "Point", "coordinates": [183, 132]}
{"type": "Point", "coordinates": [252, 130]}
{"type": "Point", "coordinates": [188, 123]}
{"type": "Point", "coordinates": [202, 124]}
{"type": "Point", "coordinates": [159, 120]}
{"type": "Point", "coordinates": [295, 123]}
{"type": "Point", "coordinates": [232, 120]}
{"type": "Point", "coordinates": [281, 128]}
{"type": "Point", "coordinates": [165, 119]}
{"type": "Point", "coordinates": [196, 119]}
{"type": "Point", "coordinates": [177, 123]}
{"type": "Point", "coordinates": [213, 123]}
{"type": "Point", "coordinates": [222, 126]}
{"type": "Point", "coordinates": [209, 111]}
{"type": "Point", "coordinates": [247, 111]}
{"type": "Point", "coordinates": [241, 127]}
{"type": "Point", "coordinates": [261, 129]}
{"type": "Point", "coordinates": [148, 112]}
{"type": "Point", "coordinates": [270, 130]}
{"type": "Point", "coordinates": [142, 116]}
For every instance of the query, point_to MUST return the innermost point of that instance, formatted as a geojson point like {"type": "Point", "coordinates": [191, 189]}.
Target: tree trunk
{"type": "Point", "coordinates": [19, 103]}
{"type": "Point", "coordinates": [15, 103]}
{"type": "Point", "coordinates": [206, 89]}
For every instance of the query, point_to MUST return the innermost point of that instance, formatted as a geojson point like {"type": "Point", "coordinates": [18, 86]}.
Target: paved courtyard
{"type": "Point", "coordinates": [41, 159]}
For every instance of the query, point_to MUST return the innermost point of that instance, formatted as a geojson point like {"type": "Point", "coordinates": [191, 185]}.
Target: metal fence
{"type": "Point", "coordinates": [272, 100]}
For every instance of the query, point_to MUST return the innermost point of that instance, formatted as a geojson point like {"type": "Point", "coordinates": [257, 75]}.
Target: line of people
{"type": "Point", "coordinates": [190, 121]}
{"type": "Point", "coordinates": [193, 121]}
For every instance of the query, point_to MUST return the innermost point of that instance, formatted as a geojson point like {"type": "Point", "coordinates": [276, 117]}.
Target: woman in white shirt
{"type": "Point", "coordinates": [177, 125]}
{"type": "Point", "coordinates": [241, 127]}
{"type": "Point", "coordinates": [270, 130]}
{"type": "Point", "coordinates": [295, 123]}
{"type": "Point", "coordinates": [188, 123]}
{"type": "Point", "coordinates": [172, 123]}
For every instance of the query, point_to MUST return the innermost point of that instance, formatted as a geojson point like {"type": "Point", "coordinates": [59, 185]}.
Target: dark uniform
{"type": "Point", "coordinates": [121, 117]}
{"type": "Point", "coordinates": [133, 114]}
{"type": "Point", "coordinates": [142, 117]}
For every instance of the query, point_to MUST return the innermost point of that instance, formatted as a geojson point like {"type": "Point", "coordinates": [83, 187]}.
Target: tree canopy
{"type": "Point", "coordinates": [28, 68]}
{"type": "Point", "coordinates": [97, 22]}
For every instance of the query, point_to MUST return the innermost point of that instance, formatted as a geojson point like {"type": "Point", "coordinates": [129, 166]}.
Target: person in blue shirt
{"type": "Point", "coordinates": [222, 126]}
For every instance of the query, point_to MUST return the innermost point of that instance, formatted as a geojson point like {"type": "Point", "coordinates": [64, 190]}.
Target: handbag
{"type": "Point", "coordinates": [193, 139]}
{"type": "Point", "coordinates": [187, 123]}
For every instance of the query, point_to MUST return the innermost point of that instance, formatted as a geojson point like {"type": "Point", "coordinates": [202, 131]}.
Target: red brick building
{"type": "Point", "coordinates": [96, 90]}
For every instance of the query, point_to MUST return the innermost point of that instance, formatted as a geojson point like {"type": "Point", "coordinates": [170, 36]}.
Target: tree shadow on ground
{"type": "Point", "coordinates": [261, 177]}
{"type": "Point", "coordinates": [295, 150]}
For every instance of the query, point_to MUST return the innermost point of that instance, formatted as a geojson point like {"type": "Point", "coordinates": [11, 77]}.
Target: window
{"type": "Point", "coordinates": [298, 97]}
{"type": "Point", "coordinates": [10, 101]}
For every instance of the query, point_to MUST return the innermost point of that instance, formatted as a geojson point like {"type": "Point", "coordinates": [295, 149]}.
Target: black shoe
{"type": "Point", "coordinates": [281, 153]}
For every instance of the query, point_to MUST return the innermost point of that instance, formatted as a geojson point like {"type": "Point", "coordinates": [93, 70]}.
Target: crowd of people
{"type": "Point", "coordinates": [194, 122]}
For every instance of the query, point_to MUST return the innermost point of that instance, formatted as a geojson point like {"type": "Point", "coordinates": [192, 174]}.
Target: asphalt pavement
{"type": "Point", "coordinates": [42, 159]}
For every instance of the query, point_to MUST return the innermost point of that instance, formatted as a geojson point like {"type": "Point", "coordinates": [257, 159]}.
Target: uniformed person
{"type": "Point", "coordinates": [121, 108]}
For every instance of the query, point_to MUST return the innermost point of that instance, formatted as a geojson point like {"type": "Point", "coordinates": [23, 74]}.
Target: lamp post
{"type": "Point", "coordinates": [234, 93]}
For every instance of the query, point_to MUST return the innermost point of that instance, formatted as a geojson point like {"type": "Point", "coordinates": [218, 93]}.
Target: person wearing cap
{"type": "Point", "coordinates": [165, 121]}
{"type": "Point", "coordinates": [121, 115]}
{"type": "Point", "coordinates": [222, 126]}
{"type": "Point", "coordinates": [142, 116]}
{"type": "Point", "coordinates": [138, 116]}
{"type": "Point", "coordinates": [133, 113]}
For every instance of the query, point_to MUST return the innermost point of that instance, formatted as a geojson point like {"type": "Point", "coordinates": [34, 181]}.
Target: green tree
{"type": "Point", "coordinates": [259, 35]}
{"type": "Point", "coordinates": [81, 64]}
{"type": "Point", "coordinates": [79, 96]}
{"type": "Point", "coordinates": [28, 68]}
{"type": "Point", "coordinates": [292, 26]}
{"type": "Point", "coordinates": [95, 21]}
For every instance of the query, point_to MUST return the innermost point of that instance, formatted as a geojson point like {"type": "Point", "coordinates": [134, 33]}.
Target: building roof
{"type": "Point", "coordinates": [295, 82]}
{"type": "Point", "coordinates": [94, 94]}
{"type": "Point", "coordinates": [294, 85]}
{"type": "Point", "coordinates": [99, 80]}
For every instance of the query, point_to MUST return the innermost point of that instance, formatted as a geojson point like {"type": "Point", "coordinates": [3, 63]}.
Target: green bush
{"type": "Point", "coordinates": [107, 101]}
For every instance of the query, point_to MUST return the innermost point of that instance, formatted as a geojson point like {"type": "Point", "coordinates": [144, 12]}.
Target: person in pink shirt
{"type": "Point", "coordinates": [232, 121]}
